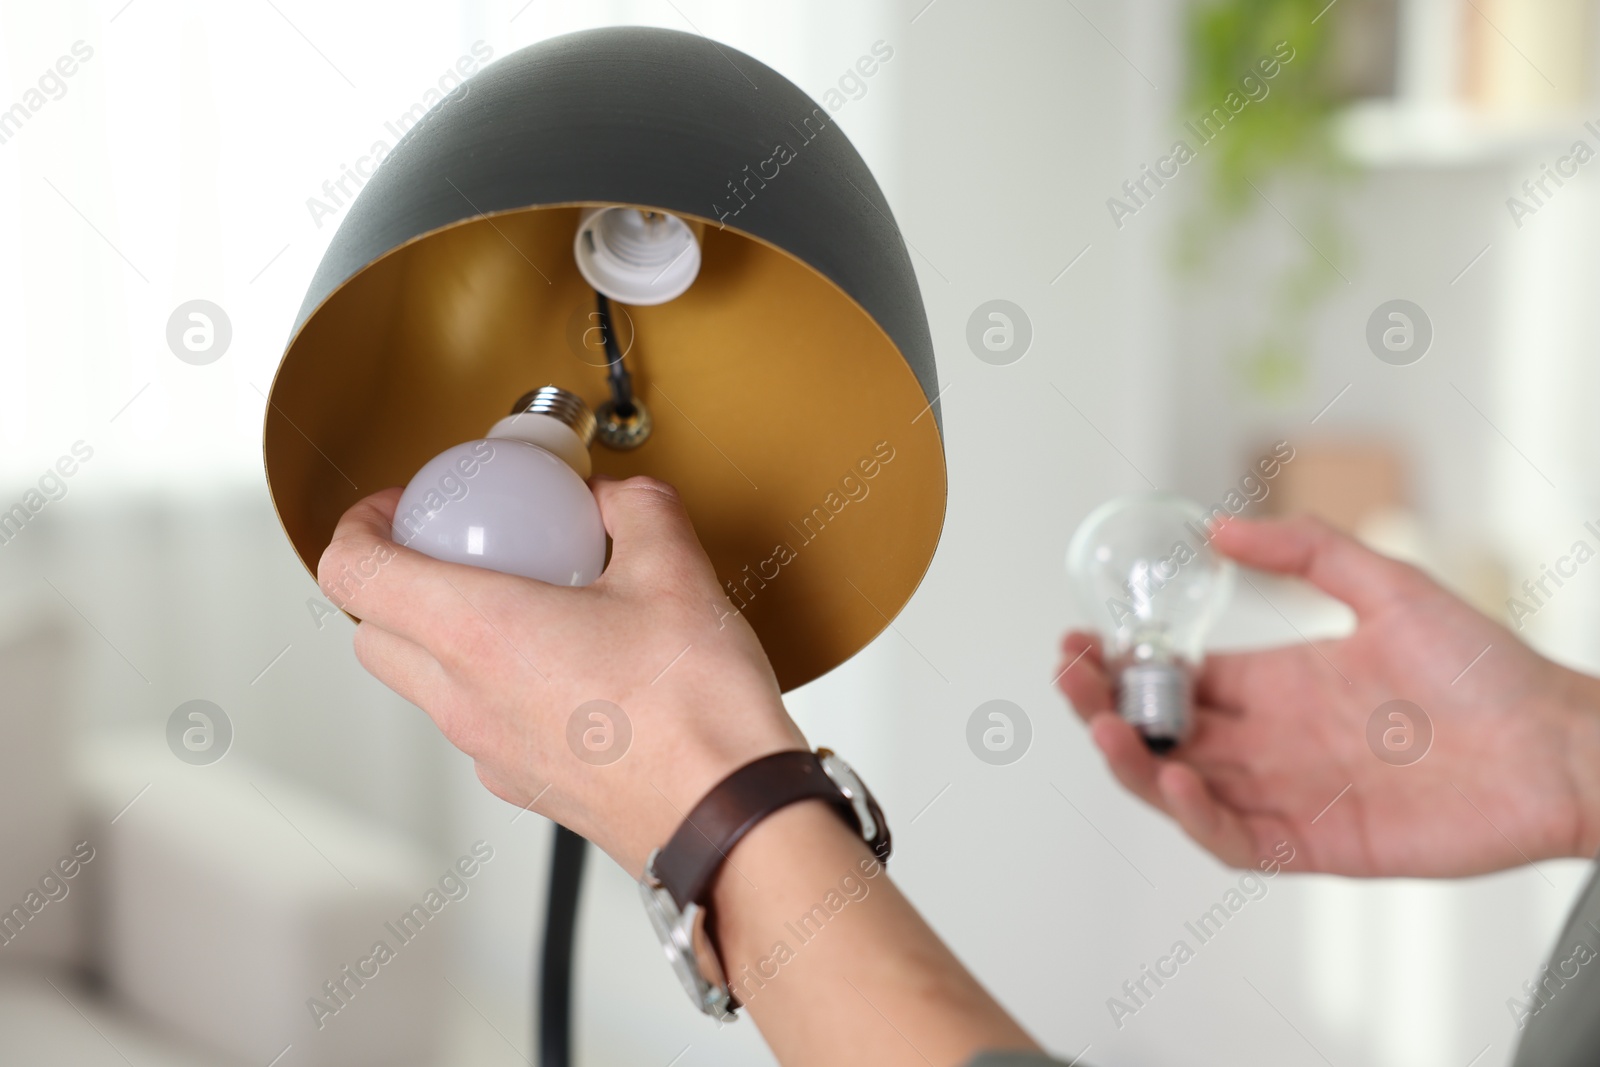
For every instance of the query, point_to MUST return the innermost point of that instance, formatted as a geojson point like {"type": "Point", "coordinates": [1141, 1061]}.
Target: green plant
{"type": "Point", "coordinates": [1285, 132]}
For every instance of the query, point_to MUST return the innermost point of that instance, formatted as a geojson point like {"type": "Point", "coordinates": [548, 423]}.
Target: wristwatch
{"type": "Point", "coordinates": [678, 876]}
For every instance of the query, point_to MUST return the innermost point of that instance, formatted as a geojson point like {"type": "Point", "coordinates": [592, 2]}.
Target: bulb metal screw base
{"type": "Point", "coordinates": [623, 432]}
{"type": "Point", "coordinates": [566, 408]}
{"type": "Point", "coordinates": [1155, 699]}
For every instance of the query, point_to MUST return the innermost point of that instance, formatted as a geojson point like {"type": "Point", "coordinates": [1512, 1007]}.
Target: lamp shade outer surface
{"type": "Point", "coordinates": [793, 385]}
{"type": "Point", "coordinates": [636, 115]}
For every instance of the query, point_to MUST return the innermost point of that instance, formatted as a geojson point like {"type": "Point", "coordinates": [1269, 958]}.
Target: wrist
{"type": "Point", "coordinates": [1580, 701]}
{"type": "Point", "coordinates": [727, 737]}
{"type": "Point", "coordinates": [774, 888]}
{"type": "Point", "coordinates": [680, 877]}
{"type": "Point", "coordinates": [792, 844]}
{"type": "Point", "coordinates": [803, 870]}
{"type": "Point", "coordinates": [810, 926]}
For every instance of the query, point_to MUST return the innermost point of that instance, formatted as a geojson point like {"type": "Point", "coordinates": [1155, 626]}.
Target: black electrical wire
{"type": "Point", "coordinates": [567, 856]}
{"type": "Point", "coordinates": [616, 371]}
{"type": "Point", "coordinates": [569, 850]}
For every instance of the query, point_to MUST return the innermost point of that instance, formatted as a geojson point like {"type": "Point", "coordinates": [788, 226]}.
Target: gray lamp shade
{"type": "Point", "coordinates": [792, 386]}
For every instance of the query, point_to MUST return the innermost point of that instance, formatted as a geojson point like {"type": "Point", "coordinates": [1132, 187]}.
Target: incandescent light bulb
{"type": "Point", "coordinates": [1144, 569]}
{"type": "Point", "coordinates": [515, 500]}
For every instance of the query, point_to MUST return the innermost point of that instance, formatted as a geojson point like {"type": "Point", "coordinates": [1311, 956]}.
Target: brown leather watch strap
{"type": "Point", "coordinates": [687, 864]}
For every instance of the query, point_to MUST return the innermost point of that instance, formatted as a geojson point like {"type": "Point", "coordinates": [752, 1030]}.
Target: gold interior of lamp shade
{"type": "Point", "coordinates": [772, 393]}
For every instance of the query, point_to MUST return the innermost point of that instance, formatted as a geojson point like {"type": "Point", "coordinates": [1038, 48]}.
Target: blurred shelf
{"type": "Point", "coordinates": [1390, 134]}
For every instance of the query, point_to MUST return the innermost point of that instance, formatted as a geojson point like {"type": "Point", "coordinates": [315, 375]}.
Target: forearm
{"type": "Point", "coordinates": [1582, 702]}
{"type": "Point", "coordinates": [834, 964]}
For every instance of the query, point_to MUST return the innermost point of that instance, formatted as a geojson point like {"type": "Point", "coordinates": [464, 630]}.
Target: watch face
{"type": "Point", "coordinates": [689, 975]}
{"type": "Point", "coordinates": [675, 930]}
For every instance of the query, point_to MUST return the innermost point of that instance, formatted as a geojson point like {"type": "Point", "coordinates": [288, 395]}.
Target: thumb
{"type": "Point", "coordinates": [650, 530]}
{"type": "Point", "coordinates": [1339, 565]}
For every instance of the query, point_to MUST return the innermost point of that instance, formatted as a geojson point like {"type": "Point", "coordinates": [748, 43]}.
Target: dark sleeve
{"type": "Point", "coordinates": [1558, 1012]}
{"type": "Point", "coordinates": [1017, 1059]}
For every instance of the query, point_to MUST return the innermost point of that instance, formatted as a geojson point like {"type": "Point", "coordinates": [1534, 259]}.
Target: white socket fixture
{"type": "Point", "coordinates": [636, 257]}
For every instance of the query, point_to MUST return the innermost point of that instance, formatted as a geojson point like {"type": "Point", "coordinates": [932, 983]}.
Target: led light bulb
{"type": "Point", "coordinates": [515, 500]}
{"type": "Point", "coordinates": [636, 257]}
{"type": "Point", "coordinates": [1144, 569]}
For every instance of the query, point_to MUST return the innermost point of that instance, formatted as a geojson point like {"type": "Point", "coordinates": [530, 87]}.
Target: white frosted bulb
{"type": "Point", "coordinates": [514, 501]}
{"type": "Point", "coordinates": [1144, 569]}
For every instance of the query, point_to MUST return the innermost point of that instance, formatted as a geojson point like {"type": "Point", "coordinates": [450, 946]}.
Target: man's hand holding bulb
{"type": "Point", "coordinates": [492, 613]}
{"type": "Point", "coordinates": [500, 662]}
{"type": "Point", "coordinates": [1513, 775]}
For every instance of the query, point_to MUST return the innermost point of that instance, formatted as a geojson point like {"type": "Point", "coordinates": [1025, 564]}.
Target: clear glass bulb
{"type": "Point", "coordinates": [513, 501]}
{"type": "Point", "coordinates": [1143, 568]}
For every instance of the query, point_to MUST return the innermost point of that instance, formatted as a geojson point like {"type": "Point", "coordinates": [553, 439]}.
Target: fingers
{"type": "Point", "coordinates": [1309, 548]}
{"type": "Point", "coordinates": [400, 590]}
{"type": "Point", "coordinates": [1125, 752]}
{"type": "Point", "coordinates": [1082, 676]}
{"type": "Point", "coordinates": [651, 534]}
{"type": "Point", "coordinates": [1174, 787]}
{"type": "Point", "coordinates": [1215, 828]}
{"type": "Point", "coordinates": [1225, 679]}
{"type": "Point", "coordinates": [373, 515]}
{"type": "Point", "coordinates": [402, 665]}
